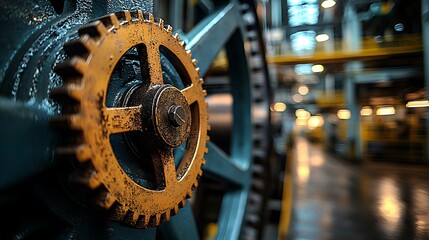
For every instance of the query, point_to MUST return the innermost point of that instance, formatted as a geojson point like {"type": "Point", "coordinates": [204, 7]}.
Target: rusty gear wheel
{"type": "Point", "coordinates": [148, 117]}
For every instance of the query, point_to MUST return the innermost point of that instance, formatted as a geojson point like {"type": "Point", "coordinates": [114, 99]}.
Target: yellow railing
{"type": "Point", "coordinates": [371, 50]}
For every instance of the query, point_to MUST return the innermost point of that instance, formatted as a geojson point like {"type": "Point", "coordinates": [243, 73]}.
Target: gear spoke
{"type": "Point", "coordinates": [190, 94]}
{"type": "Point", "coordinates": [154, 63]}
{"type": "Point", "coordinates": [165, 169]}
{"type": "Point", "coordinates": [219, 164]}
{"type": "Point", "coordinates": [214, 31]}
{"type": "Point", "coordinates": [124, 119]}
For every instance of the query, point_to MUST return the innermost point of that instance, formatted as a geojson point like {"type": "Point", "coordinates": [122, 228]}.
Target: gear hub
{"type": "Point", "coordinates": [154, 119]}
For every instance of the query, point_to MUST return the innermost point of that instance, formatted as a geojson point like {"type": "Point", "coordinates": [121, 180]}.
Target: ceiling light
{"type": "Point", "coordinates": [301, 121]}
{"type": "Point", "coordinates": [322, 37]}
{"type": "Point", "coordinates": [303, 90]}
{"type": "Point", "coordinates": [328, 3]}
{"type": "Point", "coordinates": [302, 114]}
{"type": "Point", "coordinates": [317, 68]}
{"type": "Point", "coordinates": [279, 107]}
{"type": "Point", "coordinates": [383, 111]}
{"type": "Point", "coordinates": [343, 114]}
{"type": "Point", "coordinates": [315, 121]}
{"type": "Point", "coordinates": [366, 111]}
{"type": "Point", "coordinates": [420, 103]}
{"type": "Point", "coordinates": [297, 98]}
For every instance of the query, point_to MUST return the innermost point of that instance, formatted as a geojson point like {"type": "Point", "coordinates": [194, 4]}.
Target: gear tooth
{"type": "Point", "coordinates": [75, 122]}
{"type": "Point", "coordinates": [165, 217]}
{"type": "Point", "coordinates": [182, 203]}
{"type": "Point", "coordinates": [203, 162]}
{"type": "Point", "coordinates": [201, 81]}
{"type": "Point", "coordinates": [205, 94]}
{"type": "Point", "coordinates": [115, 21]}
{"type": "Point", "coordinates": [182, 43]}
{"type": "Point", "coordinates": [194, 185]}
{"type": "Point", "coordinates": [146, 17]}
{"type": "Point", "coordinates": [161, 23]}
{"type": "Point", "coordinates": [117, 212]}
{"type": "Point", "coordinates": [207, 138]}
{"type": "Point", "coordinates": [209, 128]}
{"type": "Point", "coordinates": [83, 153]}
{"type": "Point", "coordinates": [189, 194]}
{"type": "Point", "coordinates": [75, 93]}
{"type": "Point", "coordinates": [93, 182]}
{"type": "Point", "coordinates": [155, 220]}
{"type": "Point", "coordinates": [143, 221]}
{"type": "Point", "coordinates": [71, 69]}
{"type": "Point", "coordinates": [140, 15]}
{"type": "Point", "coordinates": [207, 105]}
{"type": "Point", "coordinates": [94, 29]}
{"type": "Point", "coordinates": [169, 28]}
{"type": "Point", "coordinates": [194, 61]}
{"type": "Point", "coordinates": [110, 21]}
{"type": "Point", "coordinates": [103, 198]}
{"type": "Point", "coordinates": [174, 210]}
{"type": "Point", "coordinates": [72, 122]}
{"type": "Point", "coordinates": [131, 218]}
{"type": "Point", "coordinates": [124, 17]}
{"type": "Point", "coordinates": [87, 177]}
{"type": "Point", "coordinates": [127, 15]}
{"type": "Point", "coordinates": [135, 16]}
{"type": "Point", "coordinates": [189, 53]}
{"type": "Point", "coordinates": [176, 36]}
{"type": "Point", "coordinates": [67, 93]}
{"type": "Point", "coordinates": [81, 47]}
{"type": "Point", "coordinates": [197, 70]}
{"type": "Point", "coordinates": [206, 150]}
{"type": "Point", "coordinates": [151, 18]}
{"type": "Point", "coordinates": [67, 152]}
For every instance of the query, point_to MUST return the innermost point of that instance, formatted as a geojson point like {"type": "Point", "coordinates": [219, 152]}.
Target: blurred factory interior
{"type": "Point", "coordinates": [244, 119]}
{"type": "Point", "coordinates": [350, 102]}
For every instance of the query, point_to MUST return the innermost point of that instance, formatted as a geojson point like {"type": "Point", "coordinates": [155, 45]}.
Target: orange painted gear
{"type": "Point", "coordinates": [87, 74]}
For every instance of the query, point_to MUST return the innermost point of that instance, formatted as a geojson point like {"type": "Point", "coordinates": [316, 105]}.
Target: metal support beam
{"type": "Point", "coordinates": [353, 144]}
{"type": "Point", "coordinates": [425, 29]}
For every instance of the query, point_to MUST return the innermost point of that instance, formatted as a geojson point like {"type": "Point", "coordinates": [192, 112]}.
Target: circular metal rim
{"type": "Point", "coordinates": [132, 203]}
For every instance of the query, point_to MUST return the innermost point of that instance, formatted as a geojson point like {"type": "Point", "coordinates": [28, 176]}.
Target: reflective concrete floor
{"type": "Point", "coordinates": [336, 199]}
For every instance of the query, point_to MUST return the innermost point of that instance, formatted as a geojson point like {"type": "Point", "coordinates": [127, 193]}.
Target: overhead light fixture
{"type": "Point", "coordinates": [302, 114]}
{"type": "Point", "coordinates": [343, 114]}
{"type": "Point", "coordinates": [366, 111]}
{"type": "Point", "coordinates": [297, 98]}
{"type": "Point", "coordinates": [303, 90]}
{"type": "Point", "coordinates": [315, 122]}
{"type": "Point", "coordinates": [419, 103]}
{"type": "Point", "coordinates": [279, 107]}
{"type": "Point", "coordinates": [322, 37]}
{"type": "Point", "coordinates": [301, 122]}
{"type": "Point", "coordinates": [317, 68]}
{"type": "Point", "coordinates": [328, 3]}
{"type": "Point", "coordinates": [383, 111]}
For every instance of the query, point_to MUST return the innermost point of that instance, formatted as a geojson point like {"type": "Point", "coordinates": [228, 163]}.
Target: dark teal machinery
{"type": "Point", "coordinates": [107, 139]}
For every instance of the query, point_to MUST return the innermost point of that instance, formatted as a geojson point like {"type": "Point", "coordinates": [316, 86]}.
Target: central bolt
{"type": "Point", "coordinates": [176, 115]}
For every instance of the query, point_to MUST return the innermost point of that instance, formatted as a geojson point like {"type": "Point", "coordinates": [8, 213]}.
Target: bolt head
{"type": "Point", "coordinates": [176, 115]}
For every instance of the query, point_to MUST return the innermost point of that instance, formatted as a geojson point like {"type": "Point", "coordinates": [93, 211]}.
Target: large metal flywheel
{"type": "Point", "coordinates": [105, 117]}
